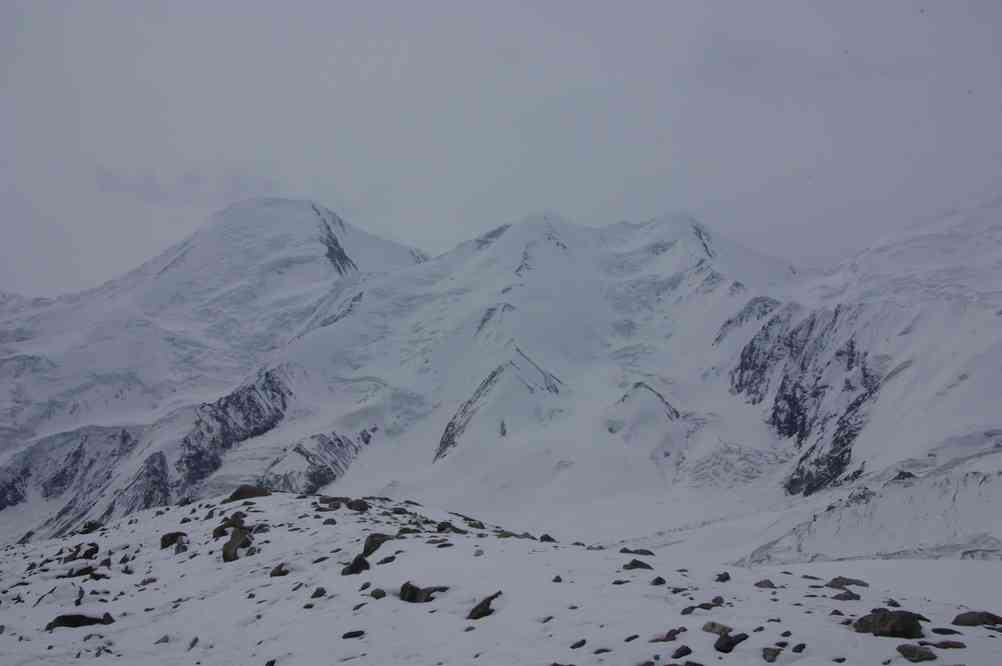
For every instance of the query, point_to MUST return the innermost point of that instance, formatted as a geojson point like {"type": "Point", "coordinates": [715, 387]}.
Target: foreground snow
{"type": "Point", "coordinates": [215, 612]}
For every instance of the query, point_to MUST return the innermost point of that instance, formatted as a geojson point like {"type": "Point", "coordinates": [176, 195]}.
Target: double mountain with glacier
{"type": "Point", "coordinates": [649, 379]}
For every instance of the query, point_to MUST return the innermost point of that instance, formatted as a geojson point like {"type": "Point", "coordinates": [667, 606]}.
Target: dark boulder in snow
{"type": "Point", "coordinates": [171, 538]}
{"type": "Point", "coordinates": [247, 492]}
{"type": "Point", "coordinates": [483, 608]}
{"type": "Point", "coordinates": [418, 595]}
{"type": "Point", "coordinates": [896, 624]}
{"type": "Point", "coordinates": [976, 619]}
{"type": "Point", "coordinates": [74, 620]}
{"type": "Point", "coordinates": [357, 566]}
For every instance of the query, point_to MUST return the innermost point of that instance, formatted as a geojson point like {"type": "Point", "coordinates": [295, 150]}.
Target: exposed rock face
{"type": "Point", "coordinates": [526, 377]}
{"type": "Point", "coordinates": [251, 410]}
{"type": "Point", "coordinates": [335, 253]}
{"type": "Point", "coordinates": [819, 384]}
{"type": "Point", "coordinates": [313, 462]}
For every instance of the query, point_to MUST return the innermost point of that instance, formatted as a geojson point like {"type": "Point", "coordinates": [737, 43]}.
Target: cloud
{"type": "Point", "coordinates": [190, 187]}
{"type": "Point", "coordinates": [800, 127]}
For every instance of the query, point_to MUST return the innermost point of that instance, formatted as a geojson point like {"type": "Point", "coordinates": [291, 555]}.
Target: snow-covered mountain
{"type": "Point", "coordinates": [542, 372]}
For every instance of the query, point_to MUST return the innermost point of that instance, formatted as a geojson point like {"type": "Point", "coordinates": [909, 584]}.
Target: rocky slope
{"type": "Point", "coordinates": [287, 579]}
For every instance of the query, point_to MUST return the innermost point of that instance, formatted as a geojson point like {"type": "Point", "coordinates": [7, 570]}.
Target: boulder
{"type": "Point", "coordinates": [239, 538]}
{"type": "Point", "coordinates": [74, 620]}
{"type": "Point", "coordinates": [246, 491]}
{"type": "Point", "coordinates": [895, 624]}
{"type": "Point", "coordinates": [728, 642]}
{"type": "Point", "coordinates": [483, 608]}
{"type": "Point", "coordinates": [636, 564]}
{"type": "Point", "coordinates": [916, 653]}
{"type": "Point", "coordinates": [411, 593]}
{"type": "Point", "coordinates": [357, 566]}
{"type": "Point", "coordinates": [373, 542]}
{"type": "Point", "coordinates": [171, 538]}
{"type": "Point", "coordinates": [976, 619]}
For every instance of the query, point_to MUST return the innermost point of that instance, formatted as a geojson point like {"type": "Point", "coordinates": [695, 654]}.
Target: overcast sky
{"type": "Point", "coordinates": [805, 129]}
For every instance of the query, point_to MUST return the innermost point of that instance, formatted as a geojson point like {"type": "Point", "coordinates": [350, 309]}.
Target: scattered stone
{"type": "Point", "coordinates": [163, 639]}
{"type": "Point", "coordinates": [636, 564]}
{"type": "Point", "coordinates": [916, 653]}
{"type": "Point", "coordinates": [669, 636]}
{"type": "Point", "coordinates": [770, 654]}
{"type": "Point", "coordinates": [373, 542]}
{"type": "Point", "coordinates": [280, 570]}
{"type": "Point", "coordinates": [377, 593]}
{"type": "Point", "coordinates": [723, 577]}
{"type": "Point", "coordinates": [357, 566]}
{"type": "Point", "coordinates": [636, 551]}
{"type": "Point", "coordinates": [717, 628]}
{"type": "Point", "coordinates": [578, 644]}
{"type": "Point", "coordinates": [728, 642]}
{"type": "Point", "coordinates": [799, 647]}
{"type": "Point", "coordinates": [558, 579]}
{"type": "Point", "coordinates": [841, 582]}
{"type": "Point", "coordinates": [171, 538]}
{"type": "Point", "coordinates": [417, 595]}
{"type": "Point", "coordinates": [238, 539]}
{"type": "Point", "coordinates": [766, 584]}
{"type": "Point", "coordinates": [658, 580]}
{"type": "Point", "coordinates": [847, 595]}
{"type": "Point", "coordinates": [681, 651]}
{"type": "Point", "coordinates": [483, 608]}
{"type": "Point", "coordinates": [318, 593]}
{"type": "Point", "coordinates": [545, 538]}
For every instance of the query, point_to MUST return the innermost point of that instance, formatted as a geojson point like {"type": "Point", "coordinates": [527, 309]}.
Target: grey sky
{"type": "Point", "coordinates": [800, 128]}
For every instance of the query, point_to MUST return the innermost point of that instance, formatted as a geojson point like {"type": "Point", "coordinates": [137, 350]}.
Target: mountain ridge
{"type": "Point", "coordinates": [381, 368]}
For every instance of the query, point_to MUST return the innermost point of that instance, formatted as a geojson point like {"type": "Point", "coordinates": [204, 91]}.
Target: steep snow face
{"type": "Point", "coordinates": [189, 323]}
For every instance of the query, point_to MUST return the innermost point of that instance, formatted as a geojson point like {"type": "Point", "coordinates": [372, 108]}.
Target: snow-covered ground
{"type": "Point", "coordinates": [560, 602]}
